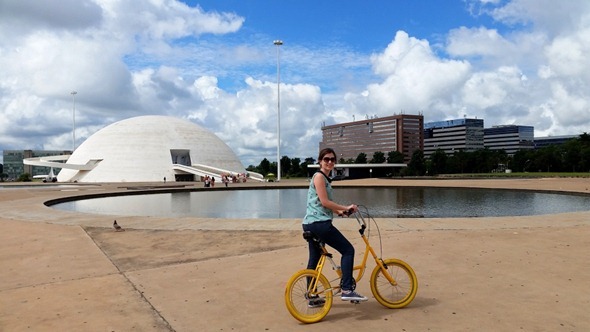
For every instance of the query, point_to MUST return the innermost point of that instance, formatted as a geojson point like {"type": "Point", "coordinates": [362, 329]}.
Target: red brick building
{"type": "Point", "coordinates": [402, 132]}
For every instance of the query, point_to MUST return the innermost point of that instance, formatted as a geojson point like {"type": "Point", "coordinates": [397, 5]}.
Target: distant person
{"type": "Point", "coordinates": [318, 220]}
{"type": "Point", "coordinates": [164, 179]}
{"type": "Point", "coordinates": [207, 181]}
{"type": "Point", "coordinates": [212, 181]}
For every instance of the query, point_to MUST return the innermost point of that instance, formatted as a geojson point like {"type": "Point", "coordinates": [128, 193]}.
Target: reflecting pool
{"type": "Point", "coordinates": [403, 202]}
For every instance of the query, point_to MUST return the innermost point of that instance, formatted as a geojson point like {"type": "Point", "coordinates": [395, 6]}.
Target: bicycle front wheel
{"type": "Point", "coordinates": [305, 305]}
{"type": "Point", "coordinates": [398, 294]}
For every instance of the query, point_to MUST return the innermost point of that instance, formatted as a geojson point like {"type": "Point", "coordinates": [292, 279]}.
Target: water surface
{"type": "Point", "coordinates": [414, 202]}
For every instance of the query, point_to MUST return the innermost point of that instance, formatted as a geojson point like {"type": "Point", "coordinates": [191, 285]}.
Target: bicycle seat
{"type": "Point", "coordinates": [310, 236]}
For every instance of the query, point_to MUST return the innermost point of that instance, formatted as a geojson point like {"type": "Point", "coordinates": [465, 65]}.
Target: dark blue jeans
{"type": "Point", "coordinates": [331, 236]}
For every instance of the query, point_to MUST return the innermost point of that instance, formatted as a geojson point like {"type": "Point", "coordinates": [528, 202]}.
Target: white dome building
{"type": "Point", "coordinates": [149, 149]}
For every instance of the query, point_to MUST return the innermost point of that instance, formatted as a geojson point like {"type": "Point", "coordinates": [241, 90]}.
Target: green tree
{"type": "Point", "coordinates": [486, 160]}
{"type": "Point", "coordinates": [378, 158]}
{"type": "Point", "coordinates": [438, 162]}
{"type": "Point", "coordinates": [264, 167]}
{"type": "Point", "coordinates": [295, 169]}
{"type": "Point", "coordinates": [361, 158]}
{"type": "Point", "coordinates": [273, 167]}
{"type": "Point", "coordinates": [304, 169]}
{"type": "Point", "coordinates": [572, 150]}
{"type": "Point", "coordinates": [522, 160]}
{"type": "Point", "coordinates": [417, 165]}
{"type": "Point", "coordinates": [584, 163]}
{"type": "Point", "coordinates": [395, 157]}
{"type": "Point", "coordinates": [285, 165]}
{"type": "Point", "coordinates": [549, 159]}
{"type": "Point", "coordinates": [458, 162]}
{"type": "Point", "coordinates": [575, 154]}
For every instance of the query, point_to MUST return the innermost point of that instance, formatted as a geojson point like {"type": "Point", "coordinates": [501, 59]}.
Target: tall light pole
{"type": "Point", "coordinates": [278, 43]}
{"type": "Point", "coordinates": [73, 93]}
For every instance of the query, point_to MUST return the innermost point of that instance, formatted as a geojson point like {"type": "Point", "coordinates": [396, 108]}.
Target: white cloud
{"type": "Point", "coordinates": [166, 19]}
{"type": "Point", "coordinates": [247, 121]}
{"type": "Point", "coordinates": [553, 18]}
{"type": "Point", "coordinates": [467, 42]}
{"type": "Point", "coordinates": [24, 16]}
{"type": "Point", "coordinates": [567, 56]}
{"type": "Point", "coordinates": [414, 80]}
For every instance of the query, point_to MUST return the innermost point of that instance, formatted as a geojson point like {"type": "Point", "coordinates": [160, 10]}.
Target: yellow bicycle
{"type": "Point", "coordinates": [309, 293]}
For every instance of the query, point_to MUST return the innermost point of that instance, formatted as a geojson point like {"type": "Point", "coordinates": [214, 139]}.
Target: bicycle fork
{"type": "Point", "coordinates": [379, 262]}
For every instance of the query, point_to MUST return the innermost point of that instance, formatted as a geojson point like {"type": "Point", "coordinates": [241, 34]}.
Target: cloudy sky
{"type": "Point", "coordinates": [519, 62]}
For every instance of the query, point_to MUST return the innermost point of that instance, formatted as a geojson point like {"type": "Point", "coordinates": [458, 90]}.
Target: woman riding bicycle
{"type": "Point", "coordinates": [318, 220]}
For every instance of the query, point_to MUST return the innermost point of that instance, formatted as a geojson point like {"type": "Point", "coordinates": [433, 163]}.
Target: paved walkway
{"type": "Point", "coordinates": [65, 271]}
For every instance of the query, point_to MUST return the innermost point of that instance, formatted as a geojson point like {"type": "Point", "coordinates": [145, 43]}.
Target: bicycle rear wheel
{"type": "Point", "coordinates": [396, 295]}
{"type": "Point", "coordinates": [297, 296]}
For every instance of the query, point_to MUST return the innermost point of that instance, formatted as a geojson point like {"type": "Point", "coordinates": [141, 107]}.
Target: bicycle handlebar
{"type": "Point", "coordinates": [347, 212]}
{"type": "Point", "coordinates": [360, 218]}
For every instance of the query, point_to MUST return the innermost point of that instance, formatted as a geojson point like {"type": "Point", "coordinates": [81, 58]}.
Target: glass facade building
{"type": "Point", "coordinates": [14, 166]}
{"type": "Point", "coordinates": [541, 142]}
{"type": "Point", "coordinates": [509, 138]}
{"type": "Point", "coordinates": [453, 135]}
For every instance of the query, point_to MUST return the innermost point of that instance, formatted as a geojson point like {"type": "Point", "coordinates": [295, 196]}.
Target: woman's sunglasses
{"type": "Point", "coordinates": [328, 159]}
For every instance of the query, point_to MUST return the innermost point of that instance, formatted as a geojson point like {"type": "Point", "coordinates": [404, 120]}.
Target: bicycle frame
{"type": "Point", "coordinates": [360, 267]}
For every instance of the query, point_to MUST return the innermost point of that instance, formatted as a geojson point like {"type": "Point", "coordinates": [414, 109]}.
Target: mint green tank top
{"type": "Point", "coordinates": [315, 210]}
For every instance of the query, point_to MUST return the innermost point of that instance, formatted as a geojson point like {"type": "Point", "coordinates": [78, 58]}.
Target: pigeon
{"type": "Point", "coordinates": [117, 227]}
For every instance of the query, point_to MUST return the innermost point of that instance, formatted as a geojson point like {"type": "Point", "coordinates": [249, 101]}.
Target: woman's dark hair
{"type": "Point", "coordinates": [324, 152]}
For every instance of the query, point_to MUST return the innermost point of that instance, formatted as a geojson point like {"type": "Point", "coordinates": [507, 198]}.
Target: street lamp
{"type": "Point", "coordinates": [278, 43]}
{"type": "Point", "coordinates": [73, 93]}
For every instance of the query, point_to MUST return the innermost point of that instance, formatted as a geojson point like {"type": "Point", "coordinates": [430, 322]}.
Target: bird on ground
{"type": "Point", "coordinates": [117, 227]}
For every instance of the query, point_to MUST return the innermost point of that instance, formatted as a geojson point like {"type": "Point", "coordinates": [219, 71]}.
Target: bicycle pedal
{"type": "Point", "coordinates": [355, 301]}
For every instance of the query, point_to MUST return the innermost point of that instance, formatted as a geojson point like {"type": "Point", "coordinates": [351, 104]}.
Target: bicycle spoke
{"type": "Point", "coordinates": [308, 307]}
{"type": "Point", "coordinates": [398, 294]}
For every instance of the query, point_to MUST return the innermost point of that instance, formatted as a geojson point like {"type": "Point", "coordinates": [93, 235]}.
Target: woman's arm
{"type": "Point", "coordinates": [320, 186]}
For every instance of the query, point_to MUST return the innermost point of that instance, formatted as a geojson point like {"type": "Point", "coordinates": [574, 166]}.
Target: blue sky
{"type": "Point", "coordinates": [213, 62]}
{"type": "Point", "coordinates": [358, 27]}
{"type": "Point", "coordinates": [365, 26]}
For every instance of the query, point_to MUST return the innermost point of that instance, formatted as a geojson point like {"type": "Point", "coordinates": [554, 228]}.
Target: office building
{"type": "Point", "coordinates": [14, 166]}
{"type": "Point", "coordinates": [509, 138]}
{"type": "Point", "coordinates": [453, 135]}
{"type": "Point", "coordinates": [402, 132]}
{"type": "Point", "coordinates": [541, 142]}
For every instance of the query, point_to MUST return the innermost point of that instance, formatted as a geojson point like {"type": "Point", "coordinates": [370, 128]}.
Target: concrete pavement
{"type": "Point", "coordinates": [66, 271]}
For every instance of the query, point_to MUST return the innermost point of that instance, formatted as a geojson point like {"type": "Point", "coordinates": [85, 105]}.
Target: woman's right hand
{"type": "Point", "coordinates": [349, 210]}
{"type": "Point", "coordinates": [352, 208]}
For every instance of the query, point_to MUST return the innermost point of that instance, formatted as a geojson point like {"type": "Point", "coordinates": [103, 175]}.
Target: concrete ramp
{"type": "Point", "coordinates": [55, 161]}
{"type": "Point", "coordinates": [204, 170]}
